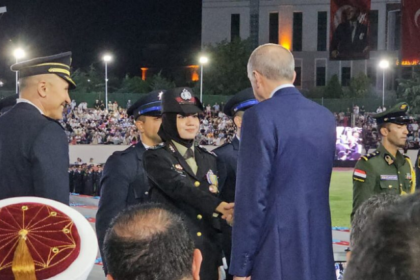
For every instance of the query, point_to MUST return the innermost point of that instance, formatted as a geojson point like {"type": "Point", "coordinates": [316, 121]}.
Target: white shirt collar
{"type": "Point", "coordinates": [148, 147]}
{"type": "Point", "coordinates": [22, 100]}
{"type": "Point", "coordinates": [280, 87]}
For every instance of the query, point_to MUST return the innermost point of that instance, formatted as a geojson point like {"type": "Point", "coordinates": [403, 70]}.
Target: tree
{"type": "Point", "coordinates": [409, 90]}
{"type": "Point", "coordinates": [160, 82]}
{"type": "Point", "coordinates": [360, 86]}
{"type": "Point", "coordinates": [226, 72]}
{"type": "Point", "coordinates": [134, 85]}
{"type": "Point", "coordinates": [333, 88]}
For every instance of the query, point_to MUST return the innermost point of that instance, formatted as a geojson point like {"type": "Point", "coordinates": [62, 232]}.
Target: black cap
{"type": "Point", "coordinates": [7, 103]}
{"type": "Point", "coordinates": [240, 102]}
{"type": "Point", "coordinates": [148, 105]}
{"type": "Point", "coordinates": [58, 64]}
{"type": "Point", "coordinates": [397, 114]}
{"type": "Point", "coordinates": [182, 101]}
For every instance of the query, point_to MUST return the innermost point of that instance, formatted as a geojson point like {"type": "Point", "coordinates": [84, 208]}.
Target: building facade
{"type": "Point", "coordinates": [303, 26]}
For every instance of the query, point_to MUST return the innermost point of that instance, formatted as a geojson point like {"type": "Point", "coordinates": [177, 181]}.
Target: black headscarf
{"type": "Point", "coordinates": [168, 130]}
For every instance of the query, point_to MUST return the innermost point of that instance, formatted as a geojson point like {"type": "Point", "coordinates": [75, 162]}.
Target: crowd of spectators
{"type": "Point", "coordinates": [368, 134]}
{"type": "Point", "coordinates": [98, 125]}
{"type": "Point", "coordinates": [112, 126]}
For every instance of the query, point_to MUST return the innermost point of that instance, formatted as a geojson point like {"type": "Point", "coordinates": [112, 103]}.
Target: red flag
{"type": "Point", "coordinates": [349, 29]}
{"type": "Point", "coordinates": [410, 50]}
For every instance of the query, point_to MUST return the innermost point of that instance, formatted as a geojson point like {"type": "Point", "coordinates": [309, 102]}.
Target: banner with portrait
{"type": "Point", "coordinates": [410, 50]}
{"type": "Point", "coordinates": [349, 29]}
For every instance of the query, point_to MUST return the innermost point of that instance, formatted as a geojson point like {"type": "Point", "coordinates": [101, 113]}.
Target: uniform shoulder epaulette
{"type": "Point", "coordinates": [205, 150]}
{"type": "Point", "coordinates": [222, 146]}
{"type": "Point", "coordinates": [371, 155]}
{"type": "Point", "coordinates": [157, 147]}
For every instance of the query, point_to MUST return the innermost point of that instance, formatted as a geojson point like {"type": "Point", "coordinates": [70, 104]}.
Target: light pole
{"type": "Point", "coordinates": [383, 64]}
{"type": "Point", "coordinates": [18, 54]}
{"type": "Point", "coordinates": [107, 58]}
{"type": "Point", "coordinates": [203, 60]}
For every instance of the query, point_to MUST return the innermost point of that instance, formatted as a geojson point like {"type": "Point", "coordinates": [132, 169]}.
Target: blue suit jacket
{"type": "Point", "coordinates": [123, 183]}
{"type": "Point", "coordinates": [34, 155]}
{"type": "Point", "coordinates": [227, 158]}
{"type": "Point", "coordinates": [282, 226]}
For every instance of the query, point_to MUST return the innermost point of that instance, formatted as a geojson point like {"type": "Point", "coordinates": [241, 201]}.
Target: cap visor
{"type": "Point", "coordinates": [190, 109]}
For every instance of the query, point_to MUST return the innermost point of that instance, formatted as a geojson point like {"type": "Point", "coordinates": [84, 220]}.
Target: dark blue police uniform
{"type": "Point", "coordinates": [34, 152]}
{"type": "Point", "coordinates": [124, 181]}
{"type": "Point", "coordinates": [227, 158]}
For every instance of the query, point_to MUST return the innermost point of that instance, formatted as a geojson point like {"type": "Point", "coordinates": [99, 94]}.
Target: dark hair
{"type": "Point", "coordinates": [390, 246]}
{"type": "Point", "coordinates": [366, 212]}
{"type": "Point", "coordinates": [148, 241]}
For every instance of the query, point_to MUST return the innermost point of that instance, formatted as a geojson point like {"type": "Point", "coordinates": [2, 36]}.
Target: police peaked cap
{"type": "Point", "coordinates": [397, 114]}
{"type": "Point", "coordinates": [58, 64]}
{"type": "Point", "coordinates": [240, 102]}
{"type": "Point", "coordinates": [181, 101]}
{"type": "Point", "coordinates": [148, 105]}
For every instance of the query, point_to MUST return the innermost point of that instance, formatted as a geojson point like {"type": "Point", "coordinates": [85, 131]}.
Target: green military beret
{"type": "Point", "coordinates": [397, 114]}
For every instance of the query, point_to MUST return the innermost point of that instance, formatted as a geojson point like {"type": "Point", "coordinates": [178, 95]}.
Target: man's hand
{"type": "Point", "coordinates": [225, 209]}
{"type": "Point", "coordinates": [241, 278]}
{"type": "Point", "coordinates": [229, 220]}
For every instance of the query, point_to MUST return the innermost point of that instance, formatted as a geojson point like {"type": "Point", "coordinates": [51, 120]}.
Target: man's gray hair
{"type": "Point", "coordinates": [273, 62]}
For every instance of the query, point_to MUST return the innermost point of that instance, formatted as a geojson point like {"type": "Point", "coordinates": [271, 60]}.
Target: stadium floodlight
{"type": "Point", "coordinates": [203, 60]}
{"type": "Point", "coordinates": [106, 58]}
{"type": "Point", "coordinates": [18, 54]}
{"type": "Point", "coordinates": [383, 64]}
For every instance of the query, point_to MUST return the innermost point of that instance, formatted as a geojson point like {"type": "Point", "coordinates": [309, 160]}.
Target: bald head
{"type": "Point", "coordinates": [273, 62]}
{"type": "Point", "coordinates": [269, 67]}
{"type": "Point", "coordinates": [48, 92]}
{"type": "Point", "coordinates": [148, 241]}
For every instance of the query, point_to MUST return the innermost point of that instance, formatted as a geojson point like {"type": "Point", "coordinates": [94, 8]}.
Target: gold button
{"type": "Point", "coordinates": [197, 184]}
{"type": "Point", "coordinates": [398, 172]}
{"type": "Point", "coordinates": [390, 186]}
{"type": "Point", "coordinates": [198, 233]}
{"type": "Point", "coordinates": [199, 217]}
{"type": "Point", "coordinates": [400, 185]}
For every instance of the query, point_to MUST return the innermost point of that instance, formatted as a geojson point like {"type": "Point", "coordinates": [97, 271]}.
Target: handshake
{"type": "Point", "coordinates": [226, 209]}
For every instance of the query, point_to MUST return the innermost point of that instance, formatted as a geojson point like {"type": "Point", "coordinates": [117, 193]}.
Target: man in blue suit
{"type": "Point", "coordinates": [227, 157]}
{"type": "Point", "coordinates": [34, 151]}
{"type": "Point", "coordinates": [282, 222]}
{"type": "Point", "coordinates": [124, 181]}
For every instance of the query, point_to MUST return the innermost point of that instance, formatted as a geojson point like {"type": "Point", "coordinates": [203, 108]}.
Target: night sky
{"type": "Point", "coordinates": [139, 33]}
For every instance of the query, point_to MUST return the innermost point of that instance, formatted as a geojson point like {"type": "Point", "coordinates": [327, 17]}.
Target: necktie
{"type": "Point", "coordinates": [189, 158]}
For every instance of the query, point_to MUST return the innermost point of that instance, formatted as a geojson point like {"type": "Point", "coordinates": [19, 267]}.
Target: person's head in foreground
{"type": "Point", "coordinates": [390, 246]}
{"type": "Point", "coordinates": [148, 241]}
{"type": "Point", "coordinates": [367, 211]}
{"type": "Point", "coordinates": [44, 239]}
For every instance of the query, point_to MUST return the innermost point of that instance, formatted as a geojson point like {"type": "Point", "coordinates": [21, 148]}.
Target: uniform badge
{"type": "Point", "coordinates": [212, 179]}
{"type": "Point", "coordinates": [171, 148]}
{"type": "Point", "coordinates": [389, 178]}
{"type": "Point", "coordinates": [178, 167]}
{"type": "Point", "coordinates": [388, 159]}
{"type": "Point", "coordinates": [186, 95]}
{"type": "Point", "coordinates": [402, 107]}
{"type": "Point", "coordinates": [408, 177]}
{"type": "Point", "coordinates": [359, 175]}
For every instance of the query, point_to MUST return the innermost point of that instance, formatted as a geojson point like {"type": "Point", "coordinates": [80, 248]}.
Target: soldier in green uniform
{"type": "Point", "coordinates": [386, 170]}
